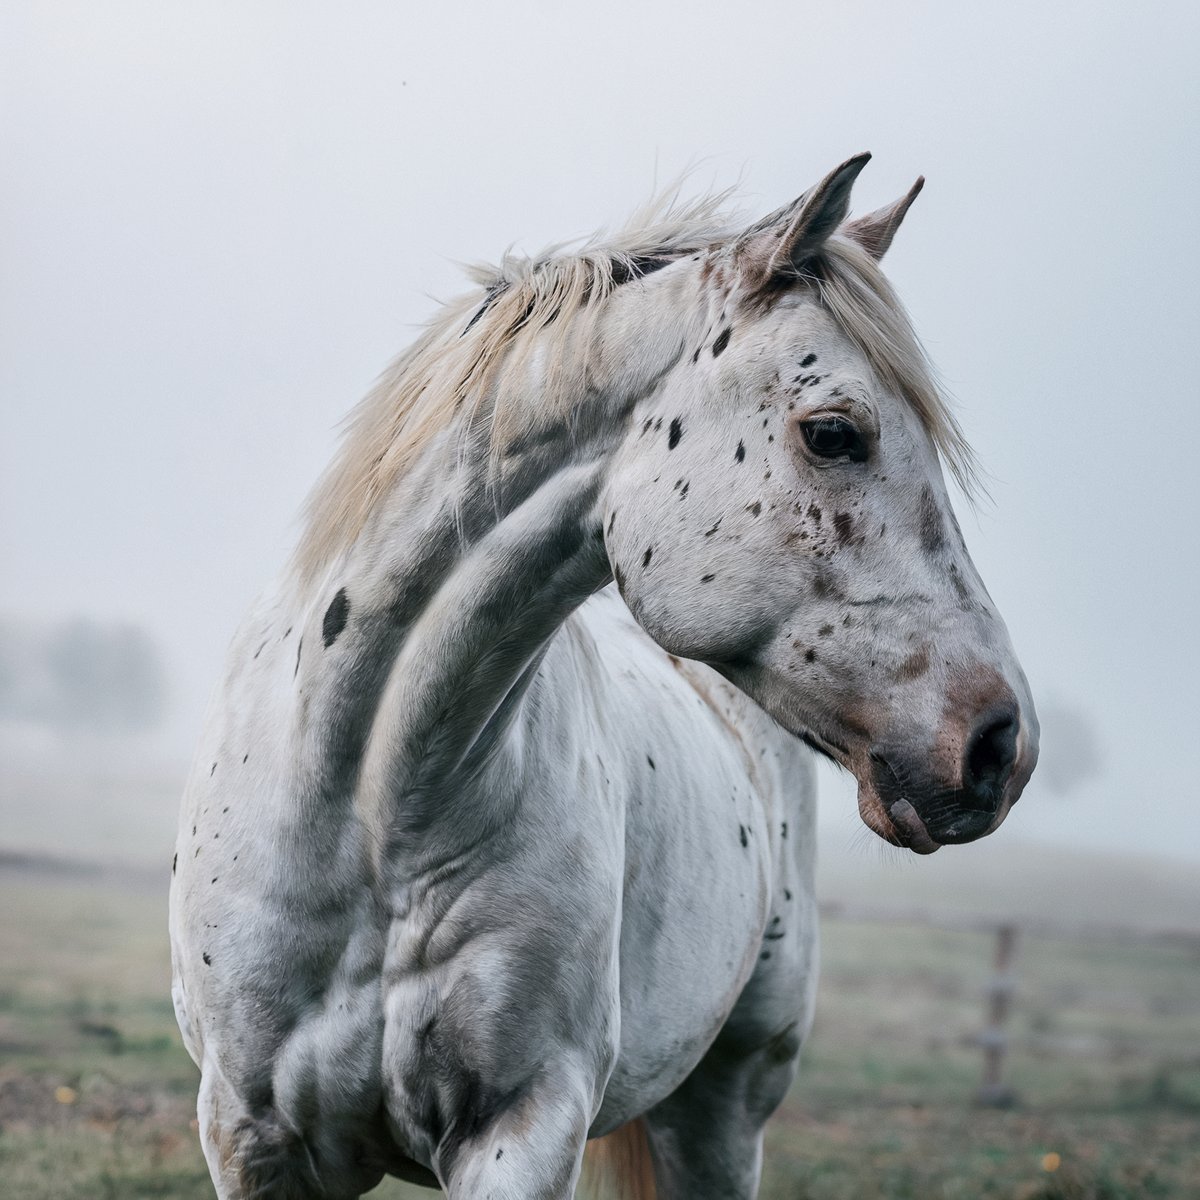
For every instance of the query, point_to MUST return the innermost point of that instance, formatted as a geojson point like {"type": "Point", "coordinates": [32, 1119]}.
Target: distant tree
{"type": "Point", "coordinates": [1071, 754]}
{"type": "Point", "coordinates": [83, 675]}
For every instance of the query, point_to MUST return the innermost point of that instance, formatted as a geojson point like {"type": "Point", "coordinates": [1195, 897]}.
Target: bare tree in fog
{"type": "Point", "coordinates": [1070, 748]}
{"type": "Point", "coordinates": [82, 675]}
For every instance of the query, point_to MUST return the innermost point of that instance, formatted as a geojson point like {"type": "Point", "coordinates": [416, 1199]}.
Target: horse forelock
{"type": "Point", "coordinates": [858, 296]}
{"type": "Point", "coordinates": [467, 353]}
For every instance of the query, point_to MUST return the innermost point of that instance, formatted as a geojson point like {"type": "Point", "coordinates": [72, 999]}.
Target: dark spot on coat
{"type": "Point", "coordinates": [638, 267]}
{"type": "Point", "coordinates": [742, 836]}
{"type": "Point", "coordinates": [754, 509]}
{"type": "Point", "coordinates": [808, 360]}
{"type": "Point", "coordinates": [843, 523]}
{"type": "Point", "coordinates": [174, 861]}
{"type": "Point", "coordinates": [696, 356]}
{"type": "Point", "coordinates": [815, 513]}
{"type": "Point", "coordinates": [913, 667]}
{"type": "Point", "coordinates": [207, 958]}
{"type": "Point", "coordinates": [260, 649]}
{"type": "Point", "coordinates": [500, 1154]}
{"type": "Point", "coordinates": [774, 935]}
{"type": "Point", "coordinates": [716, 526]}
{"type": "Point", "coordinates": [786, 894]}
{"type": "Point", "coordinates": [299, 647]}
{"type": "Point", "coordinates": [810, 655]}
{"type": "Point", "coordinates": [612, 520]}
{"type": "Point", "coordinates": [245, 758]}
{"type": "Point", "coordinates": [740, 452]}
{"type": "Point", "coordinates": [707, 578]}
{"type": "Point", "coordinates": [722, 341]}
{"type": "Point", "coordinates": [646, 557]}
{"type": "Point", "coordinates": [782, 833]}
{"type": "Point", "coordinates": [646, 425]}
{"type": "Point", "coordinates": [765, 954]}
{"type": "Point", "coordinates": [933, 533]}
{"type": "Point", "coordinates": [619, 576]}
{"type": "Point", "coordinates": [651, 762]}
{"type": "Point", "coordinates": [212, 770]}
{"type": "Point", "coordinates": [825, 630]}
{"type": "Point", "coordinates": [674, 433]}
{"type": "Point", "coordinates": [964, 592]}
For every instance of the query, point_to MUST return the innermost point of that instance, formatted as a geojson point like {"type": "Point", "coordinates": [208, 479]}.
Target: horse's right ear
{"type": "Point", "coordinates": [779, 246]}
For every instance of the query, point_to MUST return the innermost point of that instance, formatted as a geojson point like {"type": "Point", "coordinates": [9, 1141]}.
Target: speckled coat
{"type": "Point", "coordinates": [479, 857]}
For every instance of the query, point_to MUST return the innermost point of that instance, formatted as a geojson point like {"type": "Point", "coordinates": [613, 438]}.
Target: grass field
{"type": "Point", "coordinates": [96, 1091]}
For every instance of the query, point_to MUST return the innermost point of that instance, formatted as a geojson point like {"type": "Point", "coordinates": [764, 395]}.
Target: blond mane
{"type": "Point", "coordinates": [455, 364]}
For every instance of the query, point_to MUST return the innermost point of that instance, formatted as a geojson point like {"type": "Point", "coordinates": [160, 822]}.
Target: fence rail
{"type": "Point", "coordinates": [1000, 992]}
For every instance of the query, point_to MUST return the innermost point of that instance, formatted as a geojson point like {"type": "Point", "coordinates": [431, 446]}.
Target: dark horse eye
{"type": "Point", "coordinates": [834, 437]}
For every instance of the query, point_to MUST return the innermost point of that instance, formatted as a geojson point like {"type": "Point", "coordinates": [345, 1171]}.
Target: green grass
{"type": "Point", "coordinates": [1105, 1062]}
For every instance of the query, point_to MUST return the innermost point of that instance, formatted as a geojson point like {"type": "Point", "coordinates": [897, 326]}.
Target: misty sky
{"type": "Point", "coordinates": [219, 222]}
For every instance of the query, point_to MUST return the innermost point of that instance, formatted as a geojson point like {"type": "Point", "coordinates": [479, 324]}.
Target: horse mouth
{"type": "Point", "coordinates": [910, 829]}
{"type": "Point", "coordinates": [898, 824]}
{"type": "Point", "coordinates": [896, 821]}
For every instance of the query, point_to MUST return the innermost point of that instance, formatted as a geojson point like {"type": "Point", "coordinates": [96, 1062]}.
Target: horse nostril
{"type": "Point", "coordinates": [991, 753]}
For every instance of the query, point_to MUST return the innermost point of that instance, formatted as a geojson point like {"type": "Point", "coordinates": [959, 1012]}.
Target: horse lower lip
{"type": "Point", "coordinates": [912, 828]}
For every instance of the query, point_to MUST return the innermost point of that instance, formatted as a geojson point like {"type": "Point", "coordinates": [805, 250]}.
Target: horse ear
{"type": "Point", "coordinates": [875, 231]}
{"type": "Point", "coordinates": [781, 244]}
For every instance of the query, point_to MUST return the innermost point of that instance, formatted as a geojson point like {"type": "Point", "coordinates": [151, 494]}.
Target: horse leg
{"type": "Point", "coordinates": [254, 1155]}
{"type": "Point", "coordinates": [530, 1150]}
{"type": "Point", "coordinates": [706, 1137]}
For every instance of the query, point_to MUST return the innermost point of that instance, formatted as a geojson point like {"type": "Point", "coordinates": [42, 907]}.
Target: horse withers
{"type": "Point", "coordinates": [483, 857]}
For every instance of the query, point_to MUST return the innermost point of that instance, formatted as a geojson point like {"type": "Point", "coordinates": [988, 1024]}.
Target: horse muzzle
{"type": "Point", "coordinates": [960, 790]}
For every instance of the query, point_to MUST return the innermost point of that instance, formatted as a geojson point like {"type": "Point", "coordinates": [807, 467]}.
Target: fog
{"type": "Point", "coordinates": [220, 221]}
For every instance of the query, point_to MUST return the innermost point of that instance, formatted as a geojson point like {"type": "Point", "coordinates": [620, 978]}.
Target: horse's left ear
{"type": "Point", "coordinates": [875, 231]}
{"type": "Point", "coordinates": [780, 245]}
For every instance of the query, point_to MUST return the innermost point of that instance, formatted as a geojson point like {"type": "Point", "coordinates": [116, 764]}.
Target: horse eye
{"type": "Point", "coordinates": [834, 437]}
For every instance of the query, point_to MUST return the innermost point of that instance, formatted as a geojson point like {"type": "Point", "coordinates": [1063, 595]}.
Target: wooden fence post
{"type": "Point", "coordinates": [993, 1091]}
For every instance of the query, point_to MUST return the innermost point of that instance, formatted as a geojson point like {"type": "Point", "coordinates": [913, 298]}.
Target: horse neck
{"type": "Point", "coordinates": [459, 586]}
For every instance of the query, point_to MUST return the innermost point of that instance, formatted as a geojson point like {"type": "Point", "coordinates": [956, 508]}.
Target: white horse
{"type": "Point", "coordinates": [481, 859]}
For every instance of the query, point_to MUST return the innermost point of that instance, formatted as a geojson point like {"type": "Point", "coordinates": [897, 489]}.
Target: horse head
{"type": "Point", "coordinates": [777, 509]}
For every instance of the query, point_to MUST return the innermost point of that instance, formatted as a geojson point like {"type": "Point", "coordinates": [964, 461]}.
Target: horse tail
{"type": "Point", "coordinates": [618, 1166]}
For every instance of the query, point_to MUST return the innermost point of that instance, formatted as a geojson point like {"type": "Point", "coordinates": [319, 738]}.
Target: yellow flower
{"type": "Point", "coordinates": [65, 1095]}
{"type": "Point", "coordinates": [1051, 1161]}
